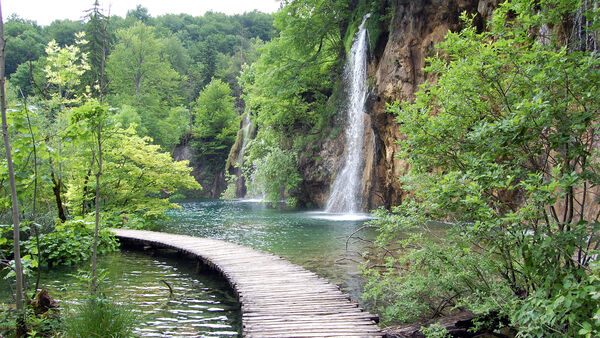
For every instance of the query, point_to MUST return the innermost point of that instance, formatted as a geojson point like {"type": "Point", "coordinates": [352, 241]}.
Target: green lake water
{"type": "Point", "coordinates": [311, 239]}
{"type": "Point", "coordinates": [204, 305]}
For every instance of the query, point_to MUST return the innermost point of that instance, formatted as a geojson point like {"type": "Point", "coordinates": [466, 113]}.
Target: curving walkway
{"type": "Point", "coordinates": [279, 299]}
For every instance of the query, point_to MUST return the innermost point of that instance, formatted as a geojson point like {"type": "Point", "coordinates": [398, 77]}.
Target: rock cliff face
{"type": "Point", "coordinates": [212, 184]}
{"type": "Point", "coordinates": [395, 72]}
{"type": "Point", "coordinates": [396, 68]}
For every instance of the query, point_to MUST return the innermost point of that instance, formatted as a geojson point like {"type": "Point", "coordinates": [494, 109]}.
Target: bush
{"type": "Point", "coordinates": [71, 242]}
{"type": "Point", "coordinates": [504, 146]}
{"type": "Point", "coordinates": [99, 317]}
{"type": "Point", "coordinates": [276, 175]}
{"type": "Point", "coordinates": [43, 325]}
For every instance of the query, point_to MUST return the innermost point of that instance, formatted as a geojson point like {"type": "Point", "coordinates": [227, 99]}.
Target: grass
{"type": "Point", "coordinates": [99, 317]}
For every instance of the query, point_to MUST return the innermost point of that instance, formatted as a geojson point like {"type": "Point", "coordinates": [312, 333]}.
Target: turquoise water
{"type": "Point", "coordinates": [314, 240]}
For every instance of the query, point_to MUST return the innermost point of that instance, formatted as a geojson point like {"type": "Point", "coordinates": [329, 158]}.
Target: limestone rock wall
{"type": "Point", "coordinates": [396, 70]}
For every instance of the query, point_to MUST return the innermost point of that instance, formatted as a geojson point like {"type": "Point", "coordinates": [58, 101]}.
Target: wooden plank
{"type": "Point", "coordinates": [278, 298]}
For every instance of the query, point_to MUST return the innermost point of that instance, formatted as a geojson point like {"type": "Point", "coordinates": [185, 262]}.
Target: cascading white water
{"type": "Point", "coordinates": [246, 125]}
{"type": "Point", "coordinates": [346, 191]}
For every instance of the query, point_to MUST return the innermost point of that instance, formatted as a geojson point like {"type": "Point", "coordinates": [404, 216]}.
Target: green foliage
{"type": "Point", "coordinates": [43, 325]}
{"type": "Point", "coordinates": [272, 172]}
{"type": "Point", "coordinates": [141, 76]}
{"type": "Point", "coordinates": [64, 31]}
{"type": "Point", "coordinates": [215, 116]}
{"type": "Point", "coordinates": [64, 68]}
{"type": "Point", "coordinates": [97, 47]}
{"type": "Point", "coordinates": [25, 41]}
{"type": "Point", "coordinates": [435, 331]}
{"type": "Point", "coordinates": [502, 146]}
{"type": "Point", "coordinates": [70, 243]}
{"type": "Point", "coordinates": [230, 191]}
{"type": "Point", "coordinates": [137, 177]}
{"type": "Point", "coordinates": [215, 125]}
{"type": "Point", "coordinates": [289, 85]}
{"type": "Point", "coordinates": [289, 90]}
{"type": "Point", "coordinates": [100, 317]}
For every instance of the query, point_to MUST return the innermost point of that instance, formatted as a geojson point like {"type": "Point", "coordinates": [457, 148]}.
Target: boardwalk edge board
{"type": "Point", "coordinates": [277, 298]}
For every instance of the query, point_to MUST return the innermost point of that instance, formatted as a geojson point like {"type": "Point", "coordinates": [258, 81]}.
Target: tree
{"type": "Point", "coordinates": [13, 189]}
{"type": "Point", "coordinates": [503, 146]}
{"type": "Point", "coordinates": [141, 76]}
{"type": "Point", "coordinates": [137, 177]}
{"type": "Point", "coordinates": [93, 117]}
{"type": "Point", "coordinates": [25, 42]}
{"type": "Point", "coordinates": [64, 69]}
{"type": "Point", "coordinates": [64, 32]}
{"type": "Point", "coordinates": [290, 83]}
{"type": "Point", "coordinates": [215, 124]}
{"type": "Point", "coordinates": [96, 31]}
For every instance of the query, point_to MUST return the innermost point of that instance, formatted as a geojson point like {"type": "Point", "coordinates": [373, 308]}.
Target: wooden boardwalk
{"type": "Point", "coordinates": [279, 299]}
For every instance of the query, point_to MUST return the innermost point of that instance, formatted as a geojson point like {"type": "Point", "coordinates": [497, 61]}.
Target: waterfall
{"type": "Point", "coordinates": [346, 191]}
{"type": "Point", "coordinates": [246, 126]}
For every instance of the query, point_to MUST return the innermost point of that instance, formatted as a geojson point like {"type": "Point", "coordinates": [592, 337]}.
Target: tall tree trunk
{"type": "Point", "coordinates": [97, 225]}
{"type": "Point", "coordinates": [13, 187]}
{"type": "Point", "coordinates": [99, 173]}
{"type": "Point", "coordinates": [35, 189]}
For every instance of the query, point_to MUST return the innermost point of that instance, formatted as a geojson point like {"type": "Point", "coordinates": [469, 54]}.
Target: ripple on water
{"type": "Point", "coordinates": [202, 305]}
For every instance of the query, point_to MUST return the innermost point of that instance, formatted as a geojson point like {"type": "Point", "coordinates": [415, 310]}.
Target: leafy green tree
{"type": "Point", "coordinates": [141, 76]}
{"type": "Point", "coordinates": [25, 42]}
{"type": "Point", "coordinates": [215, 124]}
{"type": "Point", "coordinates": [30, 78]}
{"type": "Point", "coordinates": [137, 69]}
{"type": "Point", "coordinates": [63, 31]}
{"type": "Point", "coordinates": [140, 13]}
{"type": "Point", "coordinates": [273, 175]}
{"type": "Point", "coordinates": [290, 83]}
{"type": "Point", "coordinates": [502, 145]}
{"type": "Point", "coordinates": [64, 68]}
{"type": "Point", "coordinates": [137, 177]}
{"type": "Point", "coordinates": [288, 91]}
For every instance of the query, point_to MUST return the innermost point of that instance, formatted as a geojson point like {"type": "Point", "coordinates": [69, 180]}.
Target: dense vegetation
{"type": "Point", "coordinates": [504, 147]}
{"type": "Point", "coordinates": [95, 108]}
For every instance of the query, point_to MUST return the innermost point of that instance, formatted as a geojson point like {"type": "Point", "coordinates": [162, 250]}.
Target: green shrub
{"type": "Point", "coordinates": [71, 243]}
{"type": "Point", "coordinates": [503, 145]}
{"type": "Point", "coordinates": [99, 317]}
{"type": "Point", "coordinates": [435, 330]}
{"type": "Point", "coordinates": [275, 174]}
{"type": "Point", "coordinates": [48, 324]}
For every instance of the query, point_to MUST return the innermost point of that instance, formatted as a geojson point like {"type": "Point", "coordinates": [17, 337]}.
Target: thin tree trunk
{"type": "Point", "coordinates": [13, 187]}
{"type": "Point", "coordinates": [35, 186]}
{"type": "Point", "coordinates": [99, 173]}
{"type": "Point", "coordinates": [97, 225]}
